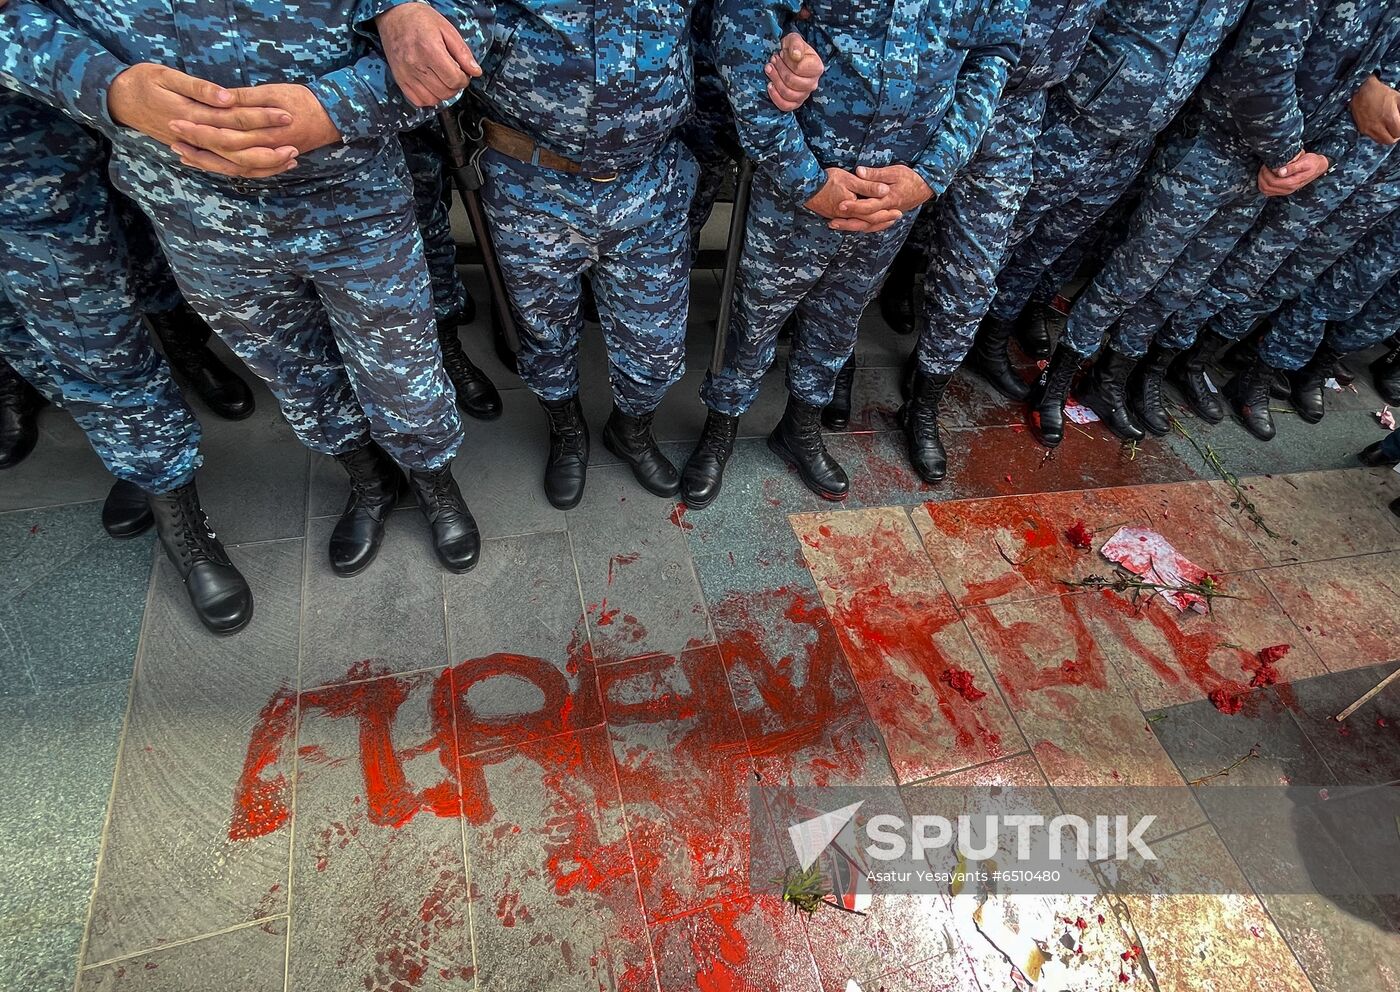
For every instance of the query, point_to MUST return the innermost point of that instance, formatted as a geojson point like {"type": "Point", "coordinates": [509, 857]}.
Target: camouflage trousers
{"type": "Point", "coordinates": [711, 136]}
{"type": "Point", "coordinates": [551, 228]}
{"type": "Point", "coordinates": [1358, 214]}
{"type": "Point", "coordinates": [794, 263]}
{"type": "Point", "coordinates": [1285, 224]}
{"type": "Point", "coordinates": [68, 321]}
{"type": "Point", "coordinates": [968, 230]}
{"type": "Point", "coordinates": [1077, 180]}
{"type": "Point", "coordinates": [423, 151]}
{"type": "Point", "coordinates": [323, 293]}
{"type": "Point", "coordinates": [1341, 294]}
{"type": "Point", "coordinates": [1377, 320]}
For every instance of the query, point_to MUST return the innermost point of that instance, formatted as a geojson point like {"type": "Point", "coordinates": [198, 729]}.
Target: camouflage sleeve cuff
{"type": "Point", "coordinates": [90, 76]}
{"type": "Point", "coordinates": [360, 109]}
{"type": "Point", "coordinates": [938, 179]}
{"type": "Point", "coordinates": [805, 177]}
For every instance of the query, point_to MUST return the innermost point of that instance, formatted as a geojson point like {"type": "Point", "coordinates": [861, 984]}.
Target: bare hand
{"type": "Point", "coordinates": [1288, 179]}
{"type": "Point", "coordinates": [430, 61]}
{"type": "Point", "coordinates": [150, 98]}
{"type": "Point", "coordinates": [844, 194]}
{"type": "Point", "coordinates": [793, 73]}
{"type": "Point", "coordinates": [306, 128]}
{"type": "Point", "coordinates": [907, 191]}
{"type": "Point", "coordinates": [1375, 108]}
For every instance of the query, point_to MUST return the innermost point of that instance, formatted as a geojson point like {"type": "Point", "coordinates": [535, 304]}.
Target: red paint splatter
{"type": "Point", "coordinates": [618, 561]}
{"type": "Point", "coordinates": [1227, 701]}
{"type": "Point", "coordinates": [1080, 536]}
{"type": "Point", "coordinates": [678, 517]}
{"type": "Point", "coordinates": [960, 680]}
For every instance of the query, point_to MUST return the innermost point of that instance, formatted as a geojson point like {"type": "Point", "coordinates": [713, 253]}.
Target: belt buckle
{"type": "Point", "coordinates": [605, 177]}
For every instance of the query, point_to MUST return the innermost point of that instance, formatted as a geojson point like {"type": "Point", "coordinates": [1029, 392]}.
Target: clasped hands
{"type": "Point", "coordinates": [869, 199]}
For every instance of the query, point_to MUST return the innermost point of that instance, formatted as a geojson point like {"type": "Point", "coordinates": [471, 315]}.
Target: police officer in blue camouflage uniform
{"type": "Point", "coordinates": [969, 226]}
{"type": "Point", "coordinates": [908, 92]}
{"type": "Point", "coordinates": [453, 306]}
{"type": "Point", "coordinates": [1143, 61]}
{"type": "Point", "coordinates": [69, 324]}
{"type": "Point", "coordinates": [1306, 231]}
{"type": "Point", "coordinates": [314, 277]}
{"type": "Point", "coordinates": [1346, 310]}
{"type": "Point", "coordinates": [586, 176]}
{"type": "Point", "coordinates": [1286, 83]}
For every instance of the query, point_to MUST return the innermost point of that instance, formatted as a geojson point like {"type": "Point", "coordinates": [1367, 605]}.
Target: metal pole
{"type": "Point", "coordinates": [743, 187]}
{"type": "Point", "coordinates": [466, 175]}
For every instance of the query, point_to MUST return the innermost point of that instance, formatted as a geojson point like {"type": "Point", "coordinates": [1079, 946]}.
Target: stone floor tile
{"type": "Point", "coordinates": [1348, 608]}
{"type": "Point", "coordinates": [744, 943]}
{"type": "Point", "coordinates": [62, 469]}
{"type": "Point", "coordinates": [43, 960]}
{"type": "Point", "coordinates": [1365, 749]}
{"type": "Point", "coordinates": [33, 543]}
{"type": "Point", "coordinates": [1315, 516]}
{"type": "Point", "coordinates": [905, 643]}
{"type": "Point", "coordinates": [634, 566]}
{"type": "Point", "coordinates": [254, 480]}
{"type": "Point", "coordinates": [555, 903]}
{"type": "Point", "coordinates": [379, 870]}
{"type": "Point", "coordinates": [249, 959]}
{"type": "Point", "coordinates": [198, 838]}
{"type": "Point", "coordinates": [390, 616]}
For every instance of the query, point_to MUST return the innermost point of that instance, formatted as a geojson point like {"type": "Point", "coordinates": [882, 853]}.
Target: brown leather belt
{"type": "Point", "coordinates": [511, 142]}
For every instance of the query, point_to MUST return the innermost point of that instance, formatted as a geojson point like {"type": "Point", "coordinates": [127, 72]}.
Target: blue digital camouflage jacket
{"type": "Point", "coordinates": [910, 82]}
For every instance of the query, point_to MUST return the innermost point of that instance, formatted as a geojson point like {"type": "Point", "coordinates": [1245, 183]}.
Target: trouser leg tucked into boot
{"type": "Point", "coordinates": [631, 439]}
{"type": "Point", "coordinates": [1248, 393]}
{"type": "Point", "coordinates": [1307, 384]}
{"type": "Point", "coordinates": [1146, 387]}
{"type": "Point", "coordinates": [919, 419]}
{"type": "Point", "coordinates": [185, 338]}
{"type": "Point", "coordinates": [704, 471]}
{"type": "Point", "coordinates": [797, 440]}
{"type": "Point", "coordinates": [566, 469]}
{"type": "Point", "coordinates": [20, 404]}
{"type": "Point", "coordinates": [455, 536]}
{"type": "Point", "coordinates": [1188, 373]}
{"type": "Point", "coordinates": [1105, 391]}
{"type": "Point", "coordinates": [126, 512]}
{"type": "Point", "coordinates": [836, 415]}
{"type": "Point", "coordinates": [1047, 399]}
{"type": "Point", "coordinates": [476, 393]}
{"type": "Point", "coordinates": [376, 484]}
{"type": "Point", "coordinates": [1386, 373]}
{"type": "Point", "coordinates": [991, 359]}
{"type": "Point", "coordinates": [899, 296]}
{"type": "Point", "coordinates": [218, 592]}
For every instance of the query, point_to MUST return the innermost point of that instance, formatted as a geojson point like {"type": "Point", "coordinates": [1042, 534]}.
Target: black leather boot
{"type": "Point", "coordinates": [1373, 456]}
{"type": "Point", "coordinates": [991, 360]}
{"type": "Point", "coordinates": [126, 512]}
{"type": "Point", "coordinates": [1105, 391]}
{"type": "Point", "coordinates": [455, 537]}
{"type": "Point", "coordinates": [1386, 373]}
{"type": "Point", "coordinates": [1032, 330]}
{"type": "Point", "coordinates": [1307, 383]}
{"type": "Point", "coordinates": [218, 592]}
{"type": "Point", "coordinates": [797, 440]}
{"type": "Point", "coordinates": [919, 419]}
{"type": "Point", "coordinates": [476, 393]}
{"type": "Point", "coordinates": [1248, 393]}
{"type": "Point", "coordinates": [630, 438]}
{"type": "Point", "coordinates": [1188, 373]}
{"type": "Point", "coordinates": [20, 404]}
{"type": "Point", "coordinates": [836, 415]}
{"type": "Point", "coordinates": [704, 471]}
{"type": "Point", "coordinates": [1048, 397]}
{"type": "Point", "coordinates": [1146, 388]}
{"type": "Point", "coordinates": [566, 471]}
{"type": "Point", "coordinates": [185, 338]}
{"type": "Point", "coordinates": [376, 485]}
{"type": "Point", "coordinates": [899, 296]}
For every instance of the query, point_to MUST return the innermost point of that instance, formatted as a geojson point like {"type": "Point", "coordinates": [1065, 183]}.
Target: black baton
{"type": "Point", "coordinates": [737, 222]}
{"type": "Point", "coordinates": [466, 175]}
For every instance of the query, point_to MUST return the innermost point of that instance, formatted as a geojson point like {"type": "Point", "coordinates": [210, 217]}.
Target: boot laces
{"type": "Point", "coordinates": [717, 439]}
{"type": "Point", "coordinates": [197, 540]}
{"type": "Point", "coordinates": [454, 358]}
{"type": "Point", "coordinates": [565, 430]}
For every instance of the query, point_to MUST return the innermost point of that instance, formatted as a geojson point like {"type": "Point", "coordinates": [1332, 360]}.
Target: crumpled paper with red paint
{"type": "Point", "coordinates": [1151, 556]}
